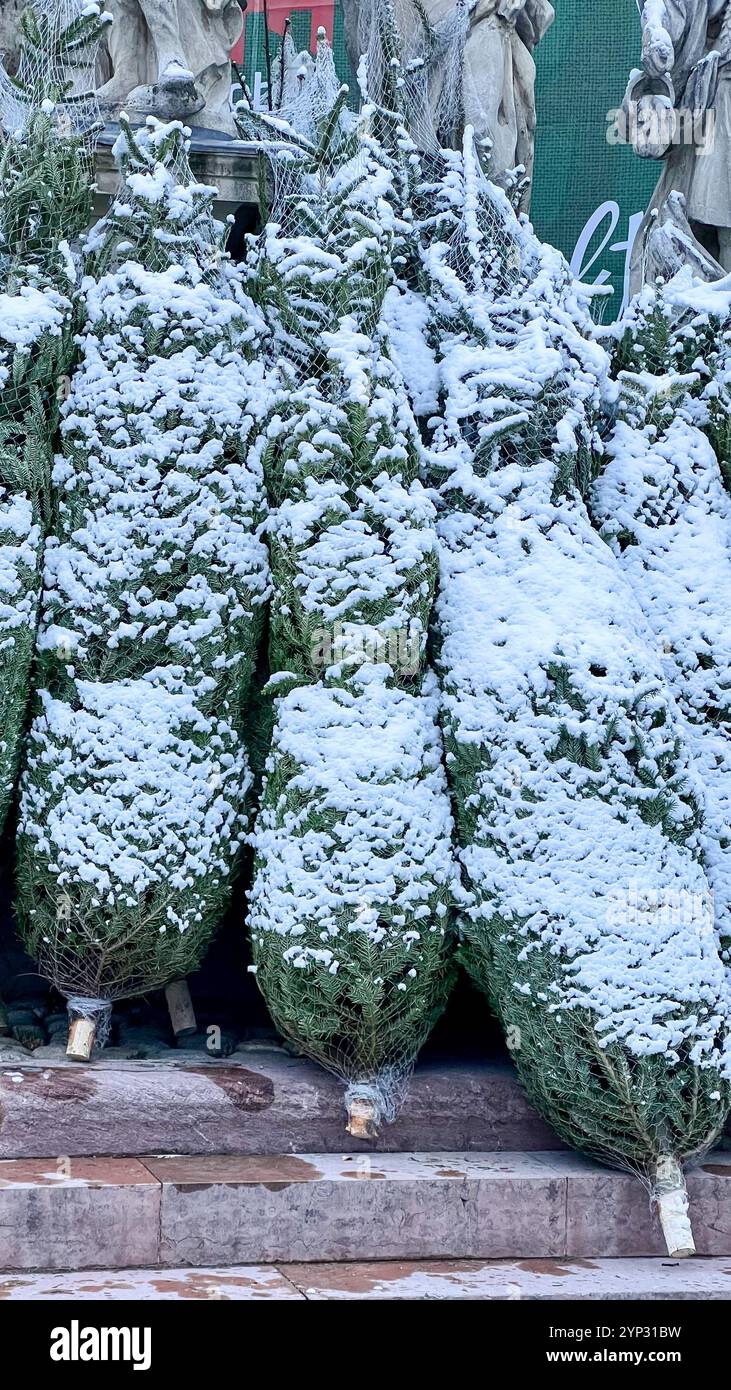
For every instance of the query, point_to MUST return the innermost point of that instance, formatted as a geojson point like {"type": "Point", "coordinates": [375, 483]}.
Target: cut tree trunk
{"type": "Point", "coordinates": [180, 1004]}
{"type": "Point", "coordinates": [362, 1119]}
{"type": "Point", "coordinates": [672, 1206]}
{"type": "Point", "coordinates": [82, 1035]}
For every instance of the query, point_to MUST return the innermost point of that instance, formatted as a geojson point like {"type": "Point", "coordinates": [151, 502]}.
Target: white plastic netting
{"type": "Point", "coordinates": [429, 63]}
{"type": "Point", "coordinates": [56, 67]}
{"type": "Point", "coordinates": [133, 797]}
{"type": "Point", "coordinates": [350, 905]}
{"type": "Point", "coordinates": [48, 121]}
{"type": "Point", "coordinates": [47, 113]}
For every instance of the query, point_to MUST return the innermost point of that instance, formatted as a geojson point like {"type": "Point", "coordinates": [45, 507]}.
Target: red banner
{"type": "Point", "coordinates": [278, 11]}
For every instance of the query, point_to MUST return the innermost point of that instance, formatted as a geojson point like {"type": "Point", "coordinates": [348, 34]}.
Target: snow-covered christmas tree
{"type": "Point", "coordinates": [46, 114]}
{"type": "Point", "coordinates": [133, 796]}
{"type": "Point", "coordinates": [661, 503]}
{"type": "Point", "coordinates": [349, 911]}
{"type": "Point", "coordinates": [587, 914]}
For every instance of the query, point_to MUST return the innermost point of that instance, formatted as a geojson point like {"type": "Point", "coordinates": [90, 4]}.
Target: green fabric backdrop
{"type": "Point", "coordinates": [580, 179]}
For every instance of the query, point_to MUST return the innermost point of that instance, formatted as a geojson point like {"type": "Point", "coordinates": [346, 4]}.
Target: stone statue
{"type": "Point", "coordinates": [498, 70]}
{"type": "Point", "coordinates": [10, 11]}
{"type": "Point", "coordinates": [171, 59]}
{"type": "Point", "coordinates": [678, 108]}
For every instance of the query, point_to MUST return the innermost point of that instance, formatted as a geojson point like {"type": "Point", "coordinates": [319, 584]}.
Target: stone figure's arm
{"type": "Point", "coordinates": [658, 51]}
{"type": "Point", "coordinates": [531, 17]}
{"type": "Point", "coordinates": [696, 76]}
{"type": "Point", "coordinates": [535, 21]}
{"type": "Point", "coordinates": [509, 9]}
{"type": "Point", "coordinates": [665, 24]}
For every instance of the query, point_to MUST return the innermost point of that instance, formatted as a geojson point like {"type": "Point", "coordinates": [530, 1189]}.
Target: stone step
{"type": "Point", "coordinates": [258, 1101]}
{"type": "Point", "coordinates": [236, 1283]}
{"type": "Point", "coordinates": [529, 1280]}
{"type": "Point", "coordinates": [217, 1210]}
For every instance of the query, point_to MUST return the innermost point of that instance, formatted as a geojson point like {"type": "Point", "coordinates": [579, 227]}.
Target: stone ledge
{"type": "Point", "coordinates": [77, 1213]}
{"type": "Point", "coordinates": [239, 1284]}
{"type": "Point", "coordinates": [231, 166]}
{"type": "Point", "coordinates": [257, 1101]}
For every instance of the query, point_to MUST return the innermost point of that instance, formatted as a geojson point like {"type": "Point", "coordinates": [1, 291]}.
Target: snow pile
{"type": "Point", "coordinates": [26, 320]}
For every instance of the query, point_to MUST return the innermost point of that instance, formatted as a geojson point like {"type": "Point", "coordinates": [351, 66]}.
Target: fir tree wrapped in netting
{"type": "Point", "coordinates": [677, 334]}
{"type": "Point", "coordinates": [20, 537]}
{"type": "Point", "coordinates": [133, 796]}
{"type": "Point", "coordinates": [46, 115]}
{"type": "Point", "coordinates": [587, 918]}
{"type": "Point", "coordinates": [661, 504]}
{"type": "Point", "coordinates": [350, 906]}
{"type": "Point", "coordinates": [349, 911]}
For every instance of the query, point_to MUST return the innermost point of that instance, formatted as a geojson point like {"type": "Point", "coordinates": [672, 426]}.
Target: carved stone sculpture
{"type": "Point", "coordinates": [678, 108]}
{"type": "Point", "coordinates": [171, 59]}
{"type": "Point", "coordinates": [10, 11]}
{"type": "Point", "coordinates": [498, 70]}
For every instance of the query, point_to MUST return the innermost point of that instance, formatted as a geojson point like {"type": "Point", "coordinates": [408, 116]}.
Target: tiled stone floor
{"type": "Point", "coordinates": [533, 1280]}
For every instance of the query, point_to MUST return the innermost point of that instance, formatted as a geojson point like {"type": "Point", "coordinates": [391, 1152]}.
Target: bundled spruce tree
{"type": "Point", "coordinates": [134, 788]}
{"type": "Point", "coordinates": [46, 114]}
{"type": "Point", "coordinates": [586, 917]}
{"type": "Point", "coordinates": [672, 348]}
{"type": "Point", "coordinates": [661, 504]}
{"type": "Point", "coordinates": [45, 202]}
{"type": "Point", "coordinates": [349, 910]}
